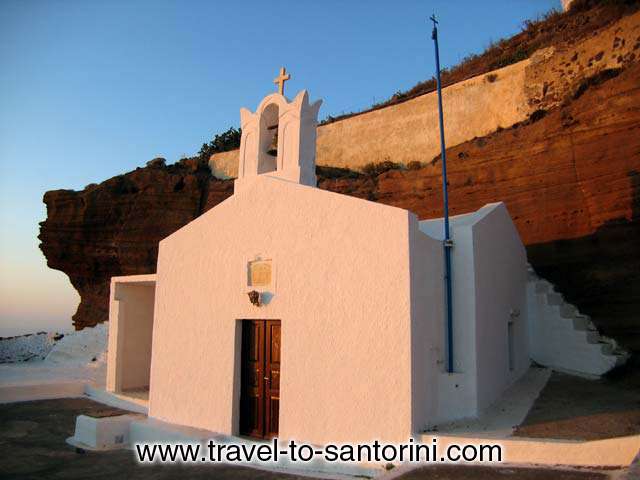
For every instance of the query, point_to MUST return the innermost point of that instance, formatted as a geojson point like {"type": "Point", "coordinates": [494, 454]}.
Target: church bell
{"type": "Point", "coordinates": [273, 146]}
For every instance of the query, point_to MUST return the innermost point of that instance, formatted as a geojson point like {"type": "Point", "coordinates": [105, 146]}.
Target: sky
{"type": "Point", "coordinates": [90, 89]}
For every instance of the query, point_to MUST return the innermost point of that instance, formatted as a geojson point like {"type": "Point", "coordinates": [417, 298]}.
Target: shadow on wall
{"type": "Point", "coordinates": [600, 273]}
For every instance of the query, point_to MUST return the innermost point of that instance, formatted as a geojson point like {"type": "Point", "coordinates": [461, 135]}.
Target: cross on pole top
{"type": "Point", "coordinates": [280, 79]}
{"type": "Point", "coordinates": [434, 32]}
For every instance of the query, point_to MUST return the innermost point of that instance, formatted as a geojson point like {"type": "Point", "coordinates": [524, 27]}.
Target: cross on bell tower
{"type": "Point", "coordinates": [280, 79]}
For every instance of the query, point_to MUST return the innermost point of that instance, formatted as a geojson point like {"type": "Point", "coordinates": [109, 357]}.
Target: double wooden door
{"type": "Point", "coordinates": [260, 378]}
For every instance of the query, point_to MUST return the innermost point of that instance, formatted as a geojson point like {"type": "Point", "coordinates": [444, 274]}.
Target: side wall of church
{"type": "Point", "coordinates": [489, 280]}
{"type": "Point", "coordinates": [500, 268]}
{"type": "Point", "coordinates": [341, 288]}
{"type": "Point", "coordinates": [458, 392]}
{"type": "Point", "coordinates": [427, 335]}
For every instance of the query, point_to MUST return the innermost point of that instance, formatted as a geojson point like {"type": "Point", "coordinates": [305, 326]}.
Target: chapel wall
{"type": "Point", "coordinates": [500, 269]}
{"type": "Point", "coordinates": [427, 331]}
{"type": "Point", "coordinates": [473, 108]}
{"type": "Point", "coordinates": [341, 291]}
{"type": "Point", "coordinates": [457, 391]}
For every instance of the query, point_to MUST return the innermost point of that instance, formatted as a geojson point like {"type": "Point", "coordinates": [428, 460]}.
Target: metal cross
{"type": "Point", "coordinates": [434, 32]}
{"type": "Point", "coordinates": [280, 79]}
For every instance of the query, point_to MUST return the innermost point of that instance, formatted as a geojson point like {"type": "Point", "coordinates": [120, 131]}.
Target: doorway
{"type": "Point", "coordinates": [260, 378]}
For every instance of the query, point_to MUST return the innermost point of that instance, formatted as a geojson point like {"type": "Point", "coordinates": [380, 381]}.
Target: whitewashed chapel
{"type": "Point", "coordinates": [292, 311]}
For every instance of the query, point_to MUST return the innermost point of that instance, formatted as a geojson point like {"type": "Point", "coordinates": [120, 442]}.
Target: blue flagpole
{"type": "Point", "coordinates": [448, 243]}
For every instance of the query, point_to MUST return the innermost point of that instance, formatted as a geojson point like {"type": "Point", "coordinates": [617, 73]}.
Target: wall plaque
{"type": "Point", "coordinates": [260, 273]}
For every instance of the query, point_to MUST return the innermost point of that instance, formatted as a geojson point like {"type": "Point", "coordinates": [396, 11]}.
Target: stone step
{"type": "Point", "coordinates": [568, 311]}
{"type": "Point", "coordinates": [592, 337]}
{"type": "Point", "coordinates": [574, 336]}
{"type": "Point", "coordinates": [583, 323]}
{"type": "Point", "coordinates": [609, 341]}
{"type": "Point", "coordinates": [554, 298]}
{"type": "Point", "coordinates": [608, 349]}
{"type": "Point", "coordinates": [542, 286]}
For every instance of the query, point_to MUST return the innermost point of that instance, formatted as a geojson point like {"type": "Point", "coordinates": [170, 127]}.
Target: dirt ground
{"type": "Point", "coordinates": [579, 409]}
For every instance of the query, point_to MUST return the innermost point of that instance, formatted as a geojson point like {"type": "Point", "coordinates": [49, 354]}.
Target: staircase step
{"type": "Point", "coordinates": [543, 286]}
{"type": "Point", "coordinates": [607, 349]}
{"type": "Point", "coordinates": [584, 323]}
{"type": "Point", "coordinates": [554, 298]}
{"type": "Point", "coordinates": [592, 337]}
{"type": "Point", "coordinates": [572, 341]}
{"type": "Point", "coordinates": [609, 341]}
{"type": "Point", "coordinates": [568, 311]}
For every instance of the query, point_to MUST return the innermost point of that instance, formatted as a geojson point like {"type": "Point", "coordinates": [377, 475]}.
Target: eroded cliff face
{"type": "Point", "coordinates": [570, 178]}
{"type": "Point", "coordinates": [114, 228]}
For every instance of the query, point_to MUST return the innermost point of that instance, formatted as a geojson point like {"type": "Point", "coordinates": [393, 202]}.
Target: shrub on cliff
{"type": "Point", "coordinates": [326, 172]}
{"type": "Point", "coordinates": [158, 162]}
{"type": "Point", "coordinates": [552, 28]}
{"type": "Point", "coordinates": [375, 169]}
{"type": "Point", "coordinates": [222, 142]}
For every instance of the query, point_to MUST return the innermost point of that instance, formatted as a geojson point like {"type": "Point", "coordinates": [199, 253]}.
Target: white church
{"type": "Point", "coordinates": [295, 312]}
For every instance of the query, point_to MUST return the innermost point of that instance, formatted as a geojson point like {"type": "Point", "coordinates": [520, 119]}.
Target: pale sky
{"type": "Point", "coordinates": [92, 89]}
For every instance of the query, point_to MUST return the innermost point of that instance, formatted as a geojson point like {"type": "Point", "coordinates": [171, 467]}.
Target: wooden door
{"type": "Point", "coordinates": [260, 381]}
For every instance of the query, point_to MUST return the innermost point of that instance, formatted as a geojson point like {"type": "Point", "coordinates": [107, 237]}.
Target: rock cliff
{"type": "Point", "coordinates": [114, 228]}
{"type": "Point", "coordinates": [570, 178]}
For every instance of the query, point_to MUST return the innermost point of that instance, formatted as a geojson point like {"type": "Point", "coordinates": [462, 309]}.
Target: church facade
{"type": "Point", "coordinates": [295, 312]}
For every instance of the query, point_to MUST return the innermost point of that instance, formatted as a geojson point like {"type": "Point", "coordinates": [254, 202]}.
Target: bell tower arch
{"type": "Point", "coordinates": [279, 140]}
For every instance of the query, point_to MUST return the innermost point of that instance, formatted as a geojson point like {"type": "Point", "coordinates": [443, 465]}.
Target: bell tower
{"type": "Point", "coordinates": [279, 139]}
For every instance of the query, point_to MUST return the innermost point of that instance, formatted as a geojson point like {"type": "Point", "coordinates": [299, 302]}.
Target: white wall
{"type": "Point", "coordinates": [489, 279]}
{"type": "Point", "coordinates": [342, 292]}
{"type": "Point", "coordinates": [500, 262]}
{"type": "Point", "coordinates": [457, 395]}
{"type": "Point", "coordinates": [427, 334]}
{"type": "Point", "coordinates": [131, 316]}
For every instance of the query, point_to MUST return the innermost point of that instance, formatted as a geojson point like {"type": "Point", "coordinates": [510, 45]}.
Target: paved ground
{"type": "Point", "coordinates": [32, 446]}
{"type": "Point", "coordinates": [497, 473]}
{"type": "Point", "coordinates": [578, 409]}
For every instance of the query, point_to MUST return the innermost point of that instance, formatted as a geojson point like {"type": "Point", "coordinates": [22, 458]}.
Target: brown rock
{"type": "Point", "coordinates": [570, 179]}
{"type": "Point", "coordinates": [572, 188]}
{"type": "Point", "coordinates": [114, 228]}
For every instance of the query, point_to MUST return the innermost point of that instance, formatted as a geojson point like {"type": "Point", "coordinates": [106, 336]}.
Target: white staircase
{"type": "Point", "coordinates": [562, 338]}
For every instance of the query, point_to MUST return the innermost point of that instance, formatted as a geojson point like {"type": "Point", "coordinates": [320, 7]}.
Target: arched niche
{"type": "Point", "coordinates": [286, 129]}
{"type": "Point", "coordinates": [270, 139]}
